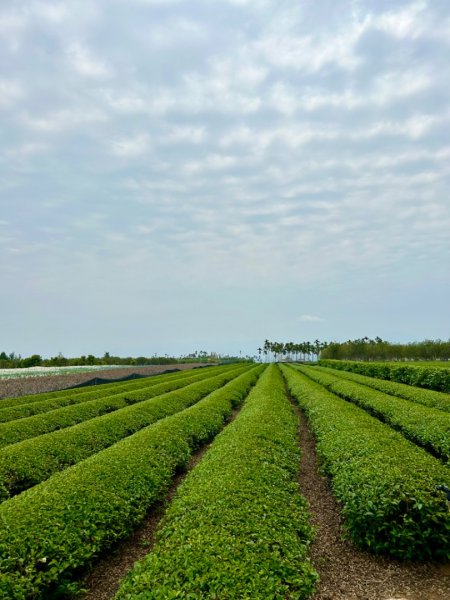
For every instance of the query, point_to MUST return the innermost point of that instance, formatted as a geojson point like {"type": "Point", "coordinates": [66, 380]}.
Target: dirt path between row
{"type": "Point", "coordinates": [346, 572]}
{"type": "Point", "coordinates": [103, 581]}
{"type": "Point", "coordinates": [104, 578]}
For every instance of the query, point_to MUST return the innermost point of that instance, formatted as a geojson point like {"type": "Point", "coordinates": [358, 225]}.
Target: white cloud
{"type": "Point", "coordinates": [11, 92]}
{"type": "Point", "coordinates": [175, 32]}
{"type": "Point", "coordinates": [217, 92]}
{"type": "Point", "coordinates": [194, 135]}
{"type": "Point", "coordinates": [260, 146]}
{"type": "Point", "coordinates": [63, 120]}
{"type": "Point", "coordinates": [241, 135]}
{"type": "Point", "coordinates": [300, 133]}
{"type": "Point", "coordinates": [212, 162]}
{"type": "Point", "coordinates": [240, 2]}
{"type": "Point", "coordinates": [82, 60]}
{"type": "Point", "coordinates": [413, 128]}
{"type": "Point", "coordinates": [14, 21]}
{"type": "Point", "coordinates": [53, 12]}
{"type": "Point", "coordinates": [90, 221]}
{"type": "Point", "coordinates": [27, 149]}
{"type": "Point", "coordinates": [408, 22]}
{"type": "Point", "coordinates": [417, 126]}
{"type": "Point", "coordinates": [387, 88]}
{"type": "Point", "coordinates": [308, 52]}
{"type": "Point", "coordinates": [400, 84]}
{"type": "Point", "coordinates": [131, 147]}
{"type": "Point", "coordinates": [152, 2]}
{"type": "Point", "coordinates": [239, 70]}
{"type": "Point", "coordinates": [125, 103]}
{"type": "Point", "coordinates": [310, 318]}
{"type": "Point", "coordinates": [162, 100]}
{"type": "Point", "coordinates": [285, 99]}
{"type": "Point", "coordinates": [13, 25]}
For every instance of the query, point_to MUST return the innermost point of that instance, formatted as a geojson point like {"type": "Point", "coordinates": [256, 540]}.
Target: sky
{"type": "Point", "coordinates": [203, 175]}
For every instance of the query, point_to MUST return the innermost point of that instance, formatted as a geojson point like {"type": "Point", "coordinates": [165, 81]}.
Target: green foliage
{"type": "Point", "coordinates": [427, 427]}
{"type": "Point", "coordinates": [55, 400]}
{"type": "Point", "coordinates": [433, 378]}
{"type": "Point", "coordinates": [378, 349]}
{"type": "Point", "coordinates": [238, 527]}
{"type": "Point", "coordinates": [32, 361]}
{"type": "Point", "coordinates": [31, 461]}
{"type": "Point", "coordinates": [385, 484]}
{"type": "Point", "coordinates": [99, 388]}
{"type": "Point", "coordinates": [303, 350]}
{"type": "Point", "coordinates": [15, 361]}
{"type": "Point", "coordinates": [22, 429]}
{"type": "Point", "coordinates": [429, 398]}
{"type": "Point", "coordinates": [56, 527]}
{"type": "Point", "coordinates": [34, 398]}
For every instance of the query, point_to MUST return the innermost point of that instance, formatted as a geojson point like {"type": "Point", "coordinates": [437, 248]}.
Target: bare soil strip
{"type": "Point", "coordinates": [346, 572]}
{"type": "Point", "coordinates": [103, 580]}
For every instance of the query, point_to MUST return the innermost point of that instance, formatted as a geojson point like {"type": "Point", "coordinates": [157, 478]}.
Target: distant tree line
{"type": "Point", "coordinates": [378, 349]}
{"type": "Point", "coordinates": [275, 351]}
{"type": "Point", "coordinates": [16, 361]}
{"type": "Point", "coordinates": [359, 349]}
{"type": "Point", "coordinates": [13, 361]}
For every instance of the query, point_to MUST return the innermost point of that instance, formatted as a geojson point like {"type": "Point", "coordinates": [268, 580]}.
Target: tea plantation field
{"type": "Point", "coordinates": [81, 469]}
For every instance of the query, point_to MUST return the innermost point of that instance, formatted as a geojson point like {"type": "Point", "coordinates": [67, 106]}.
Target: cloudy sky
{"type": "Point", "coordinates": [198, 174]}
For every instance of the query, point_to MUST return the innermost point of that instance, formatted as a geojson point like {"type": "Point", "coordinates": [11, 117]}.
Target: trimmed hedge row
{"type": "Point", "coordinates": [29, 427]}
{"type": "Point", "coordinates": [238, 527]}
{"type": "Point", "coordinates": [386, 485]}
{"type": "Point", "coordinates": [58, 401]}
{"type": "Point", "coordinates": [31, 398]}
{"type": "Point", "coordinates": [427, 377]}
{"type": "Point", "coordinates": [427, 427]}
{"type": "Point", "coordinates": [34, 460]}
{"type": "Point", "coordinates": [429, 398]}
{"type": "Point", "coordinates": [60, 525]}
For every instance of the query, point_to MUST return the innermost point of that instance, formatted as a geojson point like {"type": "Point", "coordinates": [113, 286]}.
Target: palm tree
{"type": "Point", "coordinates": [317, 349]}
{"type": "Point", "coordinates": [266, 347]}
{"type": "Point", "coordinates": [289, 347]}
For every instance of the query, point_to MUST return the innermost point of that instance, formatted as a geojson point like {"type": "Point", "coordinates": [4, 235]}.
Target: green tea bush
{"type": "Point", "coordinates": [429, 398]}
{"type": "Point", "coordinates": [238, 526]}
{"type": "Point", "coordinates": [33, 398]}
{"type": "Point", "coordinates": [427, 377]}
{"type": "Point", "coordinates": [57, 401]}
{"type": "Point", "coordinates": [387, 486]}
{"type": "Point", "coordinates": [56, 527]}
{"type": "Point", "coordinates": [31, 461]}
{"type": "Point", "coordinates": [427, 427]}
{"type": "Point", "coordinates": [22, 429]}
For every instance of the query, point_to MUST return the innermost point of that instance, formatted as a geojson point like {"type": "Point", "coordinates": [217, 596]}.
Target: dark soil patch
{"type": "Point", "coordinates": [22, 386]}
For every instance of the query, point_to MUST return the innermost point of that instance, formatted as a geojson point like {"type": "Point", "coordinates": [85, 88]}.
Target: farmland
{"type": "Point", "coordinates": [421, 374]}
{"type": "Point", "coordinates": [18, 382]}
{"type": "Point", "coordinates": [45, 371]}
{"type": "Point", "coordinates": [221, 455]}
